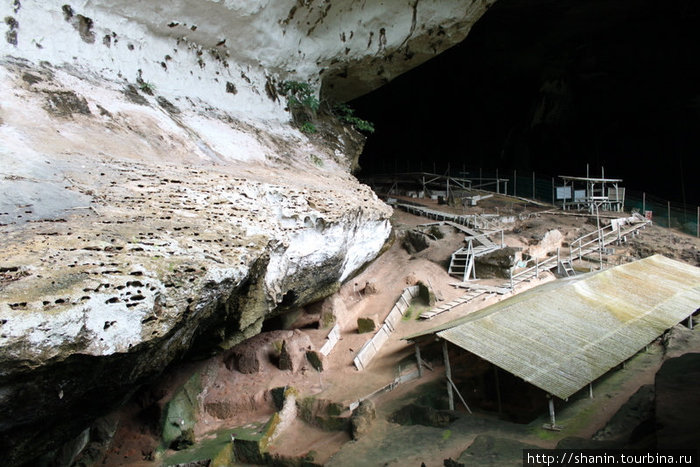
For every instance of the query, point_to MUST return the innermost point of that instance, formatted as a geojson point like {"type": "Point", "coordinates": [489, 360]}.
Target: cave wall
{"type": "Point", "coordinates": [156, 198]}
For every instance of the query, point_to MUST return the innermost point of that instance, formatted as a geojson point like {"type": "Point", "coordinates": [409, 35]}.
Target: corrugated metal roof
{"type": "Point", "coordinates": [565, 334]}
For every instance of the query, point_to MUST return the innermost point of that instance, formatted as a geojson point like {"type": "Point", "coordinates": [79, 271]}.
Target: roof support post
{"type": "Point", "coordinates": [448, 373]}
{"type": "Point", "coordinates": [418, 360]}
{"type": "Point", "coordinates": [552, 425]}
{"type": "Point", "coordinates": [690, 322]}
{"type": "Point", "coordinates": [552, 418]}
{"type": "Point", "coordinates": [590, 390]}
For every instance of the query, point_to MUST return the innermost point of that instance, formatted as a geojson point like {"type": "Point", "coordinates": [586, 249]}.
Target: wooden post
{"type": "Point", "coordinates": [669, 214]}
{"type": "Point", "coordinates": [644, 204]}
{"type": "Point", "coordinates": [459, 395]}
{"type": "Point", "coordinates": [552, 418]}
{"type": "Point", "coordinates": [619, 238]}
{"type": "Point", "coordinates": [498, 183]}
{"type": "Point", "coordinates": [571, 258]}
{"type": "Point", "coordinates": [511, 279]}
{"type": "Point", "coordinates": [579, 249]}
{"type": "Point", "coordinates": [690, 322]}
{"type": "Point", "coordinates": [448, 373]}
{"type": "Point", "coordinates": [419, 361]}
{"type": "Point", "coordinates": [590, 390]}
{"type": "Point", "coordinates": [537, 267]}
{"type": "Point", "coordinates": [558, 261]}
{"type": "Point", "coordinates": [515, 182]}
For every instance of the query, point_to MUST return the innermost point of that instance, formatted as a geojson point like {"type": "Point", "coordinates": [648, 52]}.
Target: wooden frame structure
{"type": "Point", "coordinates": [426, 185]}
{"type": "Point", "coordinates": [605, 193]}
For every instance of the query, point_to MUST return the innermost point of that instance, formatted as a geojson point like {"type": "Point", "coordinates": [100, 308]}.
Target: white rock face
{"type": "Point", "coordinates": [154, 194]}
{"type": "Point", "coordinates": [195, 48]}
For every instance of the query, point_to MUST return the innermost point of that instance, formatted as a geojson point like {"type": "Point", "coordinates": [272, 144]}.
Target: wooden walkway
{"type": "Point", "coordinates": [585, 245]}
{"type": "Point", "coordinates": [477, 221]}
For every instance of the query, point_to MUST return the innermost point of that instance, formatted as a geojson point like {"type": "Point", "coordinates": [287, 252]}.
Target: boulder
{"type": "Point", "coordinates": [370, 288]}
{"type": "Point", "coordinates": [315, 360]}
{"type": "Point", "coordinates": [333, 310]}
{"type": "Point", "coordinates": [247, 360]}
{"type": "Point", "coordinates": [366, 325]}
{"type": "Point", "coordinates": [293, 352]}
{"type": "Point", "coordinates": [542, 245]}
{"type": "Point", "coordinates": [496, 264]}
{"type": "Point", "coordinates": [362, 418]}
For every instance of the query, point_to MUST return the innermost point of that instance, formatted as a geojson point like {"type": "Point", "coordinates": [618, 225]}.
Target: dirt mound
{"type": "Point", "coordinates": [678, 402]}
{"type": "Point", "coordinates": [672, 244]}
{"type": "Point", "coordinates": [494, 451]}
{"type": "Point", "coordinates": [637, 410]}
{"type": "Point", "coordinates": [415, 414]}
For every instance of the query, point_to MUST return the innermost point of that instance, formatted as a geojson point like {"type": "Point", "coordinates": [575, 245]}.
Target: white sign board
{"type": "Point", "coordinates": [579, 195]}
{"type": "Point", "coordinates": [563, 192]}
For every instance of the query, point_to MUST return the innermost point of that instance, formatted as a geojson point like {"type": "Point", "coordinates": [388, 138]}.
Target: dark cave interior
{"type": "Point", "coordinates": [551, 86]}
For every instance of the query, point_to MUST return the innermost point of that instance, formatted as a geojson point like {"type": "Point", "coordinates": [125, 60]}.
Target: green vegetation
{"type": "Point", "coordinates": [346, 113]}
{"type": "Point", "coordinates": [300, 95]}
{"type": "Point", "coordinates": [304, 105]}
{"type": "Point", "coordinates": [308, 128]}
{"type": "Point", "coordinates": [147, 87]}
{"type": "Point", "coordinates": [316, 160]}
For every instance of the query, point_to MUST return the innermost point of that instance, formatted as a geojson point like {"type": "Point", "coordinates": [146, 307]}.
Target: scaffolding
{"type": "Point", "coordinates": [436, 186]}
{"type": "Point", "coordinates": [598, 193]}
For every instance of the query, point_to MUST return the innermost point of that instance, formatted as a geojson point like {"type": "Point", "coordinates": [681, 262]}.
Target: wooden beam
{"type": "Point", "coordinates": [460, 395]}
{"type": "Point", "coordinates": [419, 361]}
{"type": "Point", "coordinates": [552, 418]}
{"type": "Point", "coordinates": [448, 374]}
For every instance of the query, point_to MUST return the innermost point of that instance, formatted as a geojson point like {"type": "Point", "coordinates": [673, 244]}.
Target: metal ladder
{"type": "Point", "coordinates": [462, 263]}
{"type": "Point", "coordinates": [566, 268]}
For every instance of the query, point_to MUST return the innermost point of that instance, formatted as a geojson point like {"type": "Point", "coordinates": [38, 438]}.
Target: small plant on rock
{"type": "Point", "coordinates": [346, 113]}
{"type": "Point", "coordinates": [302, 103]}
{"type": "Point", "coordinates": [300, 95]}
{"type": "Point", "coordinates": [147, 87]}
{"type": "Point", "coordinates": [308, 128]}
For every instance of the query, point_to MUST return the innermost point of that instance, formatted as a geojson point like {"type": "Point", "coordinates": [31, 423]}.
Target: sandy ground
{"type": "Point", "coordinates": [393, 444]}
